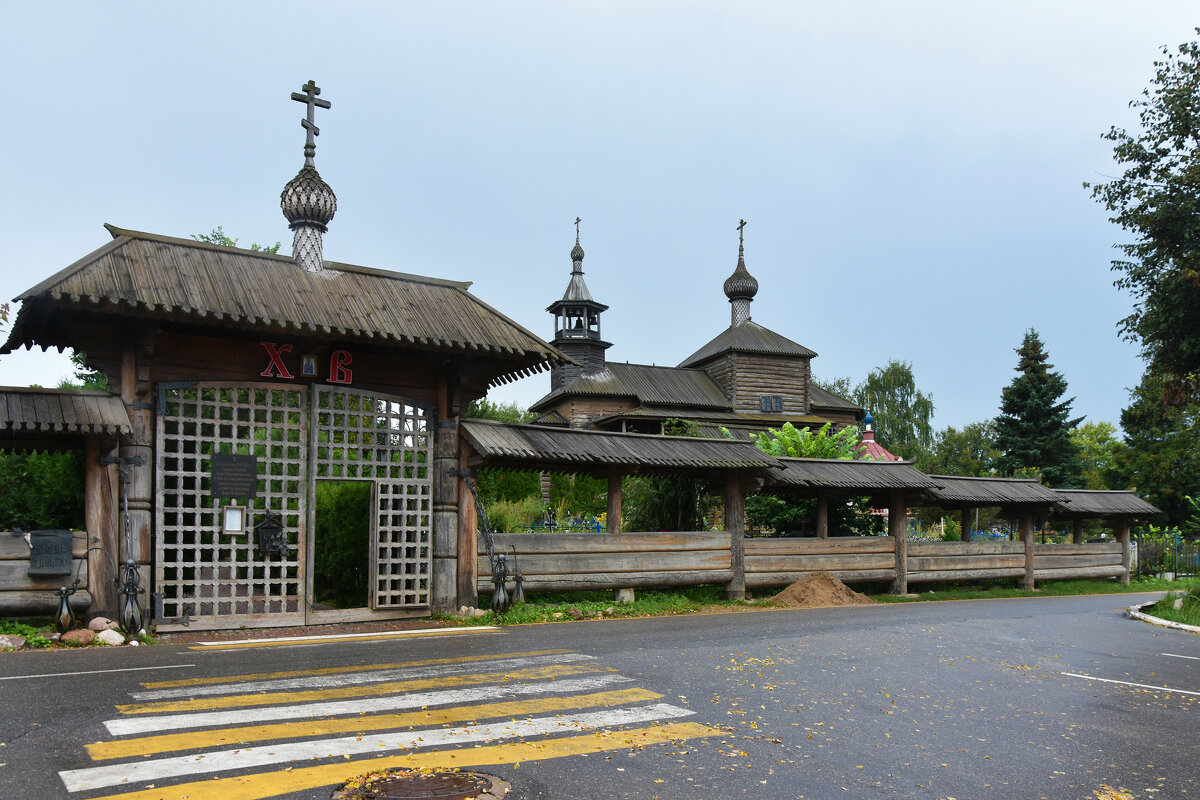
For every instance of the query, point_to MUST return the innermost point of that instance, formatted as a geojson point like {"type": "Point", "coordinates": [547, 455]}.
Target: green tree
{"type": "Point", "coordinates": [219, 237]}
{"type": "Point", "coordinates": [85, 377]}
{"type": "Point", "coordinates": [803, 443]}
{"type": "Point", "coordinates": [666, 502]}
{"type": "Point", "coordinates": [970, 452]}
{"type": "Point", "coordinates": [1162, 458]}
{"type": "Point", "coordinates": [41, 490]}
{"type": "Point", "coordinates": [1033, 430]}
{"type": "Point", "coordinates": [508, 485]}
{"type": "Point", "coordinates": [1157, 200]}
{"type": "Point", "coordinates": [1099, 454]}
{"type": "Point", "coordinates": [842, 386]}
{"type": "Point", "coordinates": [902, 413]}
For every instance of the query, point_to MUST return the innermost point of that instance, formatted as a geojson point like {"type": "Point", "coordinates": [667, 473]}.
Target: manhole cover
{"type": "Point", "coordinates": [413, 785]}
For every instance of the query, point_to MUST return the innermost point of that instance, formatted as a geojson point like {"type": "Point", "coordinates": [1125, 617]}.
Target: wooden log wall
{"type": "Point", "coordinates": [22, 594]}
{"type": "Point", "coordinates": [953, 561]}
{"type": "Point", "coordinates": [567, 561]}
{"type": "Point", "coordinates": [778, 562]}
{"type": "Point", "coordinates": [1057, 561]}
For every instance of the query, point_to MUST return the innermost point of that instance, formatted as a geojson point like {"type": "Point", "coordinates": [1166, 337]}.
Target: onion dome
{"type": "Point", "coordinates": [740, 287]}
{"type": "Point", "coordinates": [576, 251]}
{"type": "Point", "coordinates": [868, 420]}
{"type": "Point", "coordinates": [308, 200]}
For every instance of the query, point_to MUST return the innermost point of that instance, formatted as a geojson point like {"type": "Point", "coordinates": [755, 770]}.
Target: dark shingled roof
{"type": "Point", "coordinates": [533, 446]}
{"type": "Point", "coordinates": [1104, 502]}
{"type": "Point", "coordinates": [147, 275]}
{"type": "Point", "coordinates": [954, 490]}
{"type": "Point", "coordinates": [820, 398]}
{"type": "Point", "coordinates": [813, 473]}
{"type": "Point", "coordinates": [62, 411]}
{"type": "Point", "coordinates": [667, 386]}
{"type": "Point", "coordinates": [749, 337]}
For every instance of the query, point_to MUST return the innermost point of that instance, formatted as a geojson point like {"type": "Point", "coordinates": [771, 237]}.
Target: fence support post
{"type": "Point", "coordinates": [1077, 531]}
{"type": "Point", "coordinates": [1123, 538]}
{"type": "Point", "coordinates": [1028, 540]}
{"type": "Point", "coordinates": [898, 530]}
{"type": "Point", "coordinates": [735, 523]}
{"type": "Point", "coordinates": [965, 525]}
{"type": "Point", "coordinates": [467, 577]}
{"type": "Point", "coordinates": [823, 516]}
{"type": "Point", "coordinates": [613, 525]}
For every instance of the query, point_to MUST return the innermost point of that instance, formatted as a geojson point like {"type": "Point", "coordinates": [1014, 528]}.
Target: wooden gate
{"type": "Point", "coordinates": [360, 435]}
{"type": "Point", "coordinates": [201, 572]}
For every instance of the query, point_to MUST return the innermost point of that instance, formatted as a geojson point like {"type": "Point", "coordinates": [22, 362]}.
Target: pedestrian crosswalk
{"type": "Point", "coordinates": [266, 734]}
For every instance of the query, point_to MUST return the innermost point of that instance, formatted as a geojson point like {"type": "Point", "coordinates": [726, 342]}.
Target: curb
{"type": "Point", "coordinates": [1135, 612]}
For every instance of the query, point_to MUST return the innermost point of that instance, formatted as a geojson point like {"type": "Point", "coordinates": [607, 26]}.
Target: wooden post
{"type": "Point", "coordinates": [735, 523]}
{"type": "Point", "coordinates": [1123, 538]}
{"type": "Point", "coordinates": [822, 516]}
{"type": "Point", "coordinates": [613, 525]}
{"type": "Point", "coordinates": [1027, 538]}
{"type": "Point", "coordinates": [468, 536]}
{"type": "Point", "coordinates": [444, 580]}
{"type": "Point", "coordinates": [1077, 531]}
{"type": "Point", "coordinates": [137, 397]}
{"type": "Point", "coordinates": [898, 530]}
{"type": "Point", "coordinates": [100, 521]}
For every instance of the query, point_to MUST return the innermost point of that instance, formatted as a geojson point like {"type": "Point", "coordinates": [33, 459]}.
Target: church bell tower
{"type": "Point", "coordinates": [577, 326]}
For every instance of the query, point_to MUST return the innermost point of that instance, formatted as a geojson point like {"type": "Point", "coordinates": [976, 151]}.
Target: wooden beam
{"type": "Point", "coordinates": [1077, 531]}
{"type": "Point", "coordinates": [624, 594]}
{"type": "Point", "coordinates": [898, 530]}
{"type": "Point", "coordinates": [468, 533]}
{"type": "Point", "coordinates": [735, 523]}
{"type": "Point", "coordinates": [965, 524]}
{"type": "Point", "coordinates": [1123, 538]}
{"type": "Point", "coordinates": [823, 516]}
{"type": "Point", "coordinates": [100, 523]}
{"type": "Point", "coordinates": [1027, 581]}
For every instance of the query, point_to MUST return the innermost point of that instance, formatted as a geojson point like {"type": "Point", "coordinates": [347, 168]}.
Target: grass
{"type": "Point", "coordinates": [34, 631]}
{"type": "Point", "coordinates": [1179, 606]}
{"type": "Point", "coordinates": [570, 606]}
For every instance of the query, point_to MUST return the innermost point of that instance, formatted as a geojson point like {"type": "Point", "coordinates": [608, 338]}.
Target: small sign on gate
{"type": "Point", "coordinates": [50, 553]}
{"type": "Point", "coordinates": [234, 476]}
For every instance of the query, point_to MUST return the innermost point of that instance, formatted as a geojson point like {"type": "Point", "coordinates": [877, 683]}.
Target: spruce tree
{"type": "Point", "coordinates": [1033, 431]}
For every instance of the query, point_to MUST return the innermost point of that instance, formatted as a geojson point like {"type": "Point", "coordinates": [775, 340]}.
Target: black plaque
{"type": "Point", "coordinates": [51, 553]}
{"type": "Point", "coordinates": [234, 476]}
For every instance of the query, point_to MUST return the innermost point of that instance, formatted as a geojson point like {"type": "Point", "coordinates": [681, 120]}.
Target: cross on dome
{"type": "Point", "coordinates": [309, 97]}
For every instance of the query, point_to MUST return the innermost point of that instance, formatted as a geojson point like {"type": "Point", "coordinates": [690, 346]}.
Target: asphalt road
{"type": "Point", "coordinates": [1033, 698]}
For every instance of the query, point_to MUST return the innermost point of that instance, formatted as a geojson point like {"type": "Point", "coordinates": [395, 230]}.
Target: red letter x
{"type": "Point", "coordinates": [276, 367]}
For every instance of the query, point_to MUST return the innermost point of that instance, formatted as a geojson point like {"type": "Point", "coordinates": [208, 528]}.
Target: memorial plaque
{"type": "Point", "coordinates": [234, 476]}
{"type": "Point", "coordinates": [51, 553]}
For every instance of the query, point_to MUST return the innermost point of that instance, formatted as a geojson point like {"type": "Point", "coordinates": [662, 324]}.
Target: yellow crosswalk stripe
{"type": "Point", "coordinates": [148, 745]}
{"type": "Point", "coordinates": [272, 784]}
{"type": "Point", "coordinates": [390, 687]}
{"type": "Point", "coordinates": [339, 639]}
{"type": "Point", "coordinates": [307, 673]}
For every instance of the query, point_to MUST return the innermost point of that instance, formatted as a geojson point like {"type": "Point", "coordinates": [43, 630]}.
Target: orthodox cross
{"type": "Point", "coordinates": [741, 224]}
{"type": "Point", "coordinates": [577, 221]}
{"type": "Point", "coordinates": [309, 97]}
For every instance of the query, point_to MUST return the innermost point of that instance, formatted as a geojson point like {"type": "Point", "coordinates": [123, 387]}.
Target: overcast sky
{"type": "Point", "coordinates": [911, 172]}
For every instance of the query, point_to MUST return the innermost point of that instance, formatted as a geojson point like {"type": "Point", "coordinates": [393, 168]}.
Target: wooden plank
{"type": "Point", "coordinates": [609, 543]}
{"type": "Point", "coordinates": [40, 603]}
{"type": "Point", "coordinates": [965, 574]}
{"type": "Point", "coordinates": [13, 577]}
{"type": "Point", "coordinates": [759, 580]}
{"type": "Point", "coordinates": [14, 547]}
{"type": "Point", "coordinates": [1083, 572]}
{"type": "Point", "coordinates": [836, 544]}
{"type": "Point", "coordinates": [1070, 562]}
{"type": "Point", "coordinates": [822, 563]}
{"type": "Point", "coordinates": [1076, 549]}
{"type": "Point", "coordinates": [561, 583]}
{"type": "Point", "coordinates": [927, 564]}
{"type": "Point", "coordinates": [613, 563]}
{"type": "Point", "coordinates": [973, 548]}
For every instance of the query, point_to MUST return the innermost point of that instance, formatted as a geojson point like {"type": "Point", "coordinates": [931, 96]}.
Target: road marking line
{"type": "Point", "coordinates": [148, 745]}
{"type": "Point", "coordinates": [1176, 655]}
{"type": "Point", "coordinates": [273, 784]}
{"type": "Point", "coordinates": [93, 672]}
{"type": "Point", "coordinates": [1131, 683]}
{"type": "Point", "coordinates": [391, 687]}
{"type": "Point", "coordinates": [78, 780]}
{"type": "Point", "coordinates": [296, 673]}
{"type": "Point", "coordinates": [355, 678]}
{"type": "Point", "coordinates": [142, 725]}
{"type": "Point", "coordinates": [334, 638]}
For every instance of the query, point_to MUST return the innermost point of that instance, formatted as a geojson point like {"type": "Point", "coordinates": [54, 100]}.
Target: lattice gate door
{"type": "Point", "coordinates": [359, 435]}
{"type": "Point", "coordinates": [202, 573]}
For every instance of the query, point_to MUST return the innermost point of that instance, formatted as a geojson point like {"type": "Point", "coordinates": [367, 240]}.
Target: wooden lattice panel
{"type": "Point", "coordinates": [363, 436]}
{"type": "Point", "coordinates": [201, 572]}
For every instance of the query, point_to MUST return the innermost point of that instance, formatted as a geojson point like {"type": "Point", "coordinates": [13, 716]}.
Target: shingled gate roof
{"type": "Point", "coordinates": [956, 491]}
{"type": "Point", "coordinates": [147, 275]}
{"type": "Point", "coordinates": [1104, 502]}
{"type": "Point", "coordinates": [70, 411]}
{"type": "Point", "coordinates": [571, 449]}
{"type": "Point", "coordinates": [867, 476]}
{"type": "Point", "coordinates": [649, 385]}
{"type": "Point", "coordinates": [749, 337]}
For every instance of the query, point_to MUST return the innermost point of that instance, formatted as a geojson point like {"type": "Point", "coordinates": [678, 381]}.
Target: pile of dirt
{"type": "Point", "coordinates": [820, 590]}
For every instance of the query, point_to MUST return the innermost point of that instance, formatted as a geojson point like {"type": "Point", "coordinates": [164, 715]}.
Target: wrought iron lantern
{"type": "Point", "coordinates": [499, 576]}
{"type": "Point", "coordinates": [271, 538]}
{"type": "Point", "coordinates": [130, 581]}
{"type": "Point", "coordinates": [64, 620]}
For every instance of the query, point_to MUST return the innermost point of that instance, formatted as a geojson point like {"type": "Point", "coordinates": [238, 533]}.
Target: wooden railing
{"type": "Point", "coordinates": [778, 562]}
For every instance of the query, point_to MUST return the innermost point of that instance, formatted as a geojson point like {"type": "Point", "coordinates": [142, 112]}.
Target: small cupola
{"type": "Point", "coordinates": [307, 202]}
{"type": "Point", "coordinates": [577, 324]}
{"type": "Point", "coordinates": [741, 286]}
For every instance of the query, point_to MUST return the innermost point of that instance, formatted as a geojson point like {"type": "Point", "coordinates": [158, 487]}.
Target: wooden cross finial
{"type": "Point", "coordinates": [741, 224]}
{"type": "Point", "coordinates": [577, 221]}
{"type": "Point", "coordinates": [309, 97]}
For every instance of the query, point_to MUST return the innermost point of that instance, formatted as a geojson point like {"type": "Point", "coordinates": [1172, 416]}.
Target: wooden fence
{"type": "Point", "coordinates": [557, 562]}
{"type": "Point", "coordinates": [22, 594]}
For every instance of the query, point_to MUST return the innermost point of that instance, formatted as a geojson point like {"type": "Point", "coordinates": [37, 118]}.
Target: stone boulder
{"type": "Point", "coordinates": [101, 624]}
{"type": "Point", "coordinates": [110, 637]}
{"type": "Point", "coordinates": [80, 638]}
{"type": "Point", "coordinates": [11, 641]}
